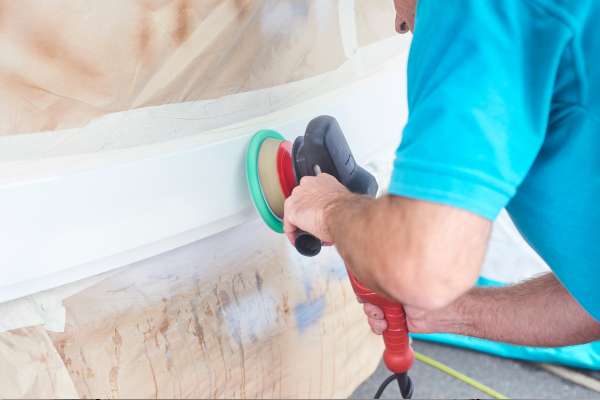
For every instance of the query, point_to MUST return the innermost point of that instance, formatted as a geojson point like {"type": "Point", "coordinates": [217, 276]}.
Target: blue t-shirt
{"type": "Point", "coordinates": [504, 111]}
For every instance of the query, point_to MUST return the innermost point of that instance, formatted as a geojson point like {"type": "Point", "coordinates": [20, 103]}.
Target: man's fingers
{"type": "Point", "coordinates": [373, 311]}
{"type": "Point", "coordinates": [305, 180]}
{"type": "Point", "coordinates": [291, 237]}
{"type": "Point", "coordinates": [288, 228]}
{"type": "Point", "coordinates": [378, 326]}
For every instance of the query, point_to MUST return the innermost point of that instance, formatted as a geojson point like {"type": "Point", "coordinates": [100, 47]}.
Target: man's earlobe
{"type": "Point", "coordinates": [401, 25]}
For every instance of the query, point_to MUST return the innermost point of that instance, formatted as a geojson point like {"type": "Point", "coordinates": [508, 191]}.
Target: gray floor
{"type": "Point", "coordinates": [511, 378]}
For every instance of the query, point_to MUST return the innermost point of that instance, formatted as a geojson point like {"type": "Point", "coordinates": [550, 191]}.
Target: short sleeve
{"type": "Point", "coordinates": [480, 85]}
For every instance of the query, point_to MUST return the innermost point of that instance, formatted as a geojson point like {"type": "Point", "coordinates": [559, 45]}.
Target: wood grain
{"type": "Point", "coordinates": [238, 315]}
{"type": "Point", "coordinates": [65, 63]}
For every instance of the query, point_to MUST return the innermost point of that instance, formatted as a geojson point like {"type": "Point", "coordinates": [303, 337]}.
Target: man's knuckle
{"type": "Point", "coordinates": [306, 179]}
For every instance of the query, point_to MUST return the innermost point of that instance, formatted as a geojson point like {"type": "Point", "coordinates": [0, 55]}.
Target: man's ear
{"type": "Point", "coordinates": [401, 25]}
{"type": "Point", "coordinates": [405, 15]}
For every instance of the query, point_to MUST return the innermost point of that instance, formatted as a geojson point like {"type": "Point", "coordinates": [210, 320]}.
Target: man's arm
{"type": "Point", "coordinates": [537, 312]}
{"type": "Point", "coordinates": [419, 253]}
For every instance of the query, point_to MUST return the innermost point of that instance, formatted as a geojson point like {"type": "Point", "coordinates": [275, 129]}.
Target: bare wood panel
{"type": "Point", "coordinates": [65, 63]}
{"type": "Point", "coordinates": [236, 315]}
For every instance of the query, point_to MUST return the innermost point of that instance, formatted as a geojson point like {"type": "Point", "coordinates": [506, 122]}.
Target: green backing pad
{"type": "Point", "coordinates": [253, 180]}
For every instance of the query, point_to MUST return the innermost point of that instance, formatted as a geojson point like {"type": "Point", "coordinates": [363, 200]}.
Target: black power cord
{"type": "Point", "coordinates": [404, 383]}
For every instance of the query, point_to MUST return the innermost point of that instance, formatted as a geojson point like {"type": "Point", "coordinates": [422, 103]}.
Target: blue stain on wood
{"type": "Point", "coordinates": [308, 313]}
{"type": "Point", "coordinates": [307, 287]}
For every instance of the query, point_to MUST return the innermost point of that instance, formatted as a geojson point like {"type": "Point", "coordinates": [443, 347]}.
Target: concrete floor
{"type": "Point", "coordinates": [512, 378]}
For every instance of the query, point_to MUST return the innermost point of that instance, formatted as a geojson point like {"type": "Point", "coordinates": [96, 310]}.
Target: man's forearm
{"type": "Point", "coordinates": [538, 312]}
{"type": "Point", "coordinates": [416, 252]}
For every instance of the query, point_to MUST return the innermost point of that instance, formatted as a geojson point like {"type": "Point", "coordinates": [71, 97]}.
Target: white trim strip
{"type": "Point", "coordinates": [73, 217]}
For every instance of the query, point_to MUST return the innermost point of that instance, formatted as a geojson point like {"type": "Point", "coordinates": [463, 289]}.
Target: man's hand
{"type": "Point", "coordinates": [537, 312]}
{"type": "Point", "coordinates": [416, 319]}
{"type": "Point", "coordinates": [306, 208]}
{"type": "Point", "coordinates": [415, 252]}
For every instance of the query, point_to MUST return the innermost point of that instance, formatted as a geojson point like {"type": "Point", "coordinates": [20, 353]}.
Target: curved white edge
{"type": "Point", "coordinates": [109, 263]}
{"type": "Point", "coordinates": [71, 218]}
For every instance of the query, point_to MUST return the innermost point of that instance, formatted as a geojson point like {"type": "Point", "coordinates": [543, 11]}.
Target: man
{"type": "Point", "coordinates": [504, 111]}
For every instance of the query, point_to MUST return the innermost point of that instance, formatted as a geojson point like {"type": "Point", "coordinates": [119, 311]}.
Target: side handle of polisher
{"type": "Point", "coordinates": [323, 148]}
{"type": "Point", "coordinates": [307, 244]}
{"type": "Point", "coordinates": [398, 355]}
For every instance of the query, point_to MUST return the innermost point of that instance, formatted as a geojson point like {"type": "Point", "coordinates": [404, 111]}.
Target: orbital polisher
{"type": "Point", "coordinates": [274, 167]}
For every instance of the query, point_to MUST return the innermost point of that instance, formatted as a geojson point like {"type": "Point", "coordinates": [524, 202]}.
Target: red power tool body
{"type": "Point", "coordinates": [323, 148]}
{"type": "Point", "coordinates": [398, 355]}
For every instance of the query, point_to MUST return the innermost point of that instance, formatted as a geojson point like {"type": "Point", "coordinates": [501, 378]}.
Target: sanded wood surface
{"type": "Point", "coordinates": [64, 63]}
{"type": "Point", "coordinates": [238, 315]}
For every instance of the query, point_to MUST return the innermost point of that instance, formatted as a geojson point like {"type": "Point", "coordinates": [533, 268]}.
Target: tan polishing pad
{"type": "Point", "coordinates": [269, 177]}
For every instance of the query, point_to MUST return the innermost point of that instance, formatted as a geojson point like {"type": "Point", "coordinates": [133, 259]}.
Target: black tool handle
{"type": "Point", "coordinates": [307, 244]}
{"type": "Point", "coordinates": [323, 148]}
